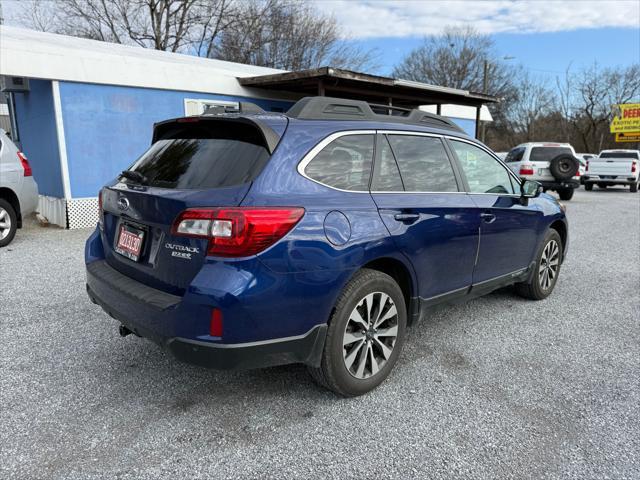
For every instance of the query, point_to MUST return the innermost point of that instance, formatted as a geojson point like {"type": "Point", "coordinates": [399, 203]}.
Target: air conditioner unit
{"type": "Point", "coordinates": [14, 84]}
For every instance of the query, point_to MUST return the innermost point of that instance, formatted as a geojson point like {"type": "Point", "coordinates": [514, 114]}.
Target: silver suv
{"type": "Point", "coordinates": [554, 165]}
{"type": "Point", "coordinates": [18, 189]}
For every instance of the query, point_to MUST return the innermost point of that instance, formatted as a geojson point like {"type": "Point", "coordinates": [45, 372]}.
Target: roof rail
{"type": "Point", "coordinates": [328, 108]}
{"type": "Point", "coordinates": [243, 107]}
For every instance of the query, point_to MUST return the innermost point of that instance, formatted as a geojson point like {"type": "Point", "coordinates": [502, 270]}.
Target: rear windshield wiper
{"type": "Point", "coordinates": [135, 176]}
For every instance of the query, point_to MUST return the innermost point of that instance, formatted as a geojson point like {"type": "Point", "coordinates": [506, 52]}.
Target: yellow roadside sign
{"type": "Point", "coordinates": [628, 137]}
{"type": "Point", "coordinates": [626, 118]}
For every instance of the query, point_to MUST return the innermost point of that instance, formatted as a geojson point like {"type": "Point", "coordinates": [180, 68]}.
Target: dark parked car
{"type": "Point", "coordinates": [250, 239]}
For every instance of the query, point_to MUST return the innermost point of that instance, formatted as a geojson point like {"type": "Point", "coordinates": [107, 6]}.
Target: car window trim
{"type": "Point", "coordinates": [311, 154]}
{"type": "Point", "coordinates": [491, 154]}
{"type": "Point", "coordinates": [302, 165]}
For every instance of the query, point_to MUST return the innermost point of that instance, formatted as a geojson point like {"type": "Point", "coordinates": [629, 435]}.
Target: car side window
{"type": "Point", "coordinates": [423, 163]}
{"type": "Point", "coordinates": [345, 163]}
{"type": "Point", "coordinates": [386, 176]}
{"type": "Point", "coordinates": [484, 173]}
{"type": "Point", "coordinates": [515, 154]}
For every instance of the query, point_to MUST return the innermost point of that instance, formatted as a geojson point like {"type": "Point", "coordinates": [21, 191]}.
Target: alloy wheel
{"type": "Point", "coordinates": [370, 335]}
{"type": "Point", "coordinates": [549, 265]}
{"type": "Point", "coordinates": [5, 223]}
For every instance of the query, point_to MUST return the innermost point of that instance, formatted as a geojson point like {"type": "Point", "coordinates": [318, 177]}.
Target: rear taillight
{"type": "Point", "coordinates": [526, 170]}
{"type": "Point", "coordinates": [633, 167]}
{"type": "Point", "coordinates": [586, 167]}
{"type": "Point", "coordinates": [237, 231]}
{"type": "Point", "coordinates": [25, 165]}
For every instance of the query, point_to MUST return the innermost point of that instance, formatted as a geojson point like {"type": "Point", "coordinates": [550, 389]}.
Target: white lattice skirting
{"type": "Point", "coordinates": [73, 213]}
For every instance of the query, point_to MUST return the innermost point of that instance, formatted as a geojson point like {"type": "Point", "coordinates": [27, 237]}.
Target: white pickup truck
{"type": "Point", "coordinates": [613, 167]}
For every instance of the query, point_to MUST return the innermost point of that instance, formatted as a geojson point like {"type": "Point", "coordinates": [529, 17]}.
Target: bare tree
{"type": "Point", "coordinates": [579, 112]}
{"type": "Point", "coordinates": [290, 35]}
{"type": "Point", "coordinates": [37, 15]}
{"type": "Point", "coordinates": [596, 90]}
{"type": "Point", "coordinates": [287, 34]}
{"type": "Point", "coordinates": [171, 25]}
{"type": "Point", "coordinates": [519, 118]}
{"type": "Point", "coordinates": [457, 58]}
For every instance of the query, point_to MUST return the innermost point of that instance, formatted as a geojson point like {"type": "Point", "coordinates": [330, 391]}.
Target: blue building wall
{"type": "Point", "coordinates": [108, 127]}
{"type": "Point", "coordinates": [36, 121]}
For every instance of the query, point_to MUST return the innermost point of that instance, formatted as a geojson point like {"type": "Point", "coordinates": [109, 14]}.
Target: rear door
{"type": "Point", "coordinates": [195, 164]}
{"type": "Point", "coordinates": [508, 229]}
{"type": "Point", "coordinates": [431, 220]}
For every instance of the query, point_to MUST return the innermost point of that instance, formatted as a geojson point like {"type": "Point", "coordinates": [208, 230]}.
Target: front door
{"type": "Point", "coordinates": [508, 229]}
{"type": "Point", "coordinates": [431, 220]}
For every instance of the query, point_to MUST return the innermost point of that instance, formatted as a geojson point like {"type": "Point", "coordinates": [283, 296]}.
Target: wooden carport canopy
{"type": "Point", "coordinates": [335, 82]}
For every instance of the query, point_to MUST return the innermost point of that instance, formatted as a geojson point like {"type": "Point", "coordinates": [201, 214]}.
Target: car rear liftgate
{"type": "Point", "coordinates": [194, 163]}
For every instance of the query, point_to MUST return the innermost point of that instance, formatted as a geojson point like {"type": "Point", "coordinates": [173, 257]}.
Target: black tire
{"type": "Point", "coordinates": [333, 372]}
{"type": "Point", "coordinates": [603, 186]}
{"type": "Point", "coordinates": [7, 217]}
{"type": "Point", "coordinates": [566, 193]}
{"type": "Point", "coordinates": [564, 166]}
{"type": "Point", "coordinates": [533, 289]}
{"type": "Point", "coordinates": [588, 187]}
{"type": "Point", "coordinates": [633, 188]}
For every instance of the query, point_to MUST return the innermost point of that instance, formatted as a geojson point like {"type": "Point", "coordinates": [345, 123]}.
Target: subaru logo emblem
{"type": "Point", "coordinates": [123, 203]}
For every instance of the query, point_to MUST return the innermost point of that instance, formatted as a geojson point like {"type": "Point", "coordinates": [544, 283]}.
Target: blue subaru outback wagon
{"type": "Point", "coordinates": [250, 239]}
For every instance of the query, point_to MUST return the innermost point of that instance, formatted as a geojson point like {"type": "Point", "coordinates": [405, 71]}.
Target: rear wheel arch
{"type": "Point", "coordinates": [402, 276]}
{"type": "Point", "coordinates": [11, 197]}
{"type": "Point", "coordinates": [560, 227]}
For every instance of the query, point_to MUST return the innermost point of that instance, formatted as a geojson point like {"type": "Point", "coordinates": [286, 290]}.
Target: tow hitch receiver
{"type": "Point", "coordinates": [124, 331]}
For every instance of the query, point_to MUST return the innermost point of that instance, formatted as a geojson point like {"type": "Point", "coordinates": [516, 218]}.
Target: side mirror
{"type": "Point", "coordinates": [530, 189]}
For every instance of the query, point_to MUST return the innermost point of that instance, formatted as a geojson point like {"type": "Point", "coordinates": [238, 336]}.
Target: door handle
{"type": "Point", "coordinates": [488, 217]}
{"type": "Point", "coordinates": [406, 217]}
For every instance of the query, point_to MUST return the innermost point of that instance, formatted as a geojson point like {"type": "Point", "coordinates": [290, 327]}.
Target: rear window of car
{"type": "Point", "coordinates": [344, 163]}
{"type": "Point", "coordinates": [546, 154]}
{"type": "Point", "coordinates": [632, 155]}
{"type": "Point", "coordinates": [204, 156]}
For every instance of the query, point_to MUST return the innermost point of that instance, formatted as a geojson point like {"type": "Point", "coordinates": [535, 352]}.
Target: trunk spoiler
{"type": "Point", "coordinates": [270, 136]}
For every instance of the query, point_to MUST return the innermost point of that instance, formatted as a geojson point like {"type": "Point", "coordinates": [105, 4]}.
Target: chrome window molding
{"type": "Point", "coordinates": [416, 192]}
{"type": "Point", "coordinates": [330, 138]}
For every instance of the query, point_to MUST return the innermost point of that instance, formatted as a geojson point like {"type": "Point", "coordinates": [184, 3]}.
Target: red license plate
{"type": "Point", "coordinates": [130, 242]}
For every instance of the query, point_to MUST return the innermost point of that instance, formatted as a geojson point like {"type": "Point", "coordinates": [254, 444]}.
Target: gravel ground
{"type": "Point", "coordinates": [497, 387]}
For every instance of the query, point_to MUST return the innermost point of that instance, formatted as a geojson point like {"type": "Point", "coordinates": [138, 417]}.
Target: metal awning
{"type": "Point", "coordinates": [329, 81]}
{"type": "Point", "coordinates": [336, 82]}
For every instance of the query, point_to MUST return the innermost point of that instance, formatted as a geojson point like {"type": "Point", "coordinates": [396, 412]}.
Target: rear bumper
{"type": "Point", "coordinates": [305, 349]}
{"type": "Point", "coordinates": [555, 184]}
{"type": "Point", "coordinates": [28, 196]}
{"type": "Point", "coordinates": [618, 180]}
{"type": "Point", "coordinates": [159, 316]}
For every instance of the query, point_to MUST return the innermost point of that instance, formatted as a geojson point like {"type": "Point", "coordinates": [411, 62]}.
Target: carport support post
{"type": "Point", "coordinates": [478, 121]}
